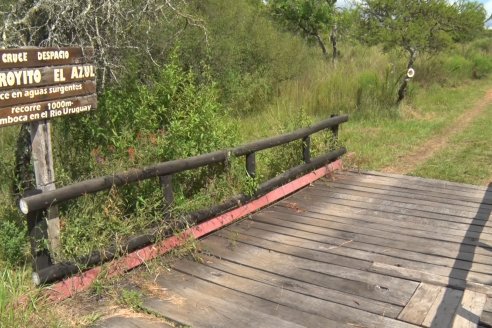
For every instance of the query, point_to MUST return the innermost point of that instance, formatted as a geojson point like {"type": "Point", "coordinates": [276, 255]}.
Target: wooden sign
{"type": "Point", "coordinates": [40, 57]}
{"type": "Point", "coordinates": [38, 84]}
{"type": "Point", "coordinates": [43, 83]}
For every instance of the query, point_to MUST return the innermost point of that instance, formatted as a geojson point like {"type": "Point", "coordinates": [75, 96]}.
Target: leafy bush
{"type": "Point", "coordinates": [176, 114]}
{"type": "Point", "coordinates": [13, 237]}
{"type": "Point", "coordinates": [457, 66]}
{"type": "Point", "coordinates": [482, 66]}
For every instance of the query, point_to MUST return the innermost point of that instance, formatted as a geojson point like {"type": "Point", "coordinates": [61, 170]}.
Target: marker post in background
{"type": "Point", "coordinates": [37, 84]}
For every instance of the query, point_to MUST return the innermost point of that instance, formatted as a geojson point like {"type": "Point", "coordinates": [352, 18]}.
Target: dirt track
{"type": "Point", "coordinates": [421, 154]}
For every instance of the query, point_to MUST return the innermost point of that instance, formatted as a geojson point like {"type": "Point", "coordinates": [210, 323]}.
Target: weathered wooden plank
{"type": "Point", "coordinates": [430, 278]}
{"type": "Point", "coordinates": [470, 310]}
{"type": "Point", "coordinates": [486, 319]}
{"type": "Point", "coordinates": [130, 322]}
{"type": "Point", "coordinates": [408, 197]}
{"type": "Point", "coordinates": [419, 305]}
{"type": "Point", "coordinates": [37, 77]}
{"type": "Point", "coordinates": [302, 285]}
{"type": "Point", "coordinates": [442, 311]}
{"type": "Point", "coordinates": [373, 233]}
{"type": "Point", "coordinates": [448, 231]}
{"type": "Point", "coordinates": [186, 297]}
{"type": "Point", "coordinates": [320, 204]}
{"type": "Point", "coordinates": [415, 252]}
{"type": "Point", "coordinates": [461, 190]}
{"type": "Point", "coordinates": [439, 193]}
{"type": "Point", "coordinates": [331, 275]}
{"type": "Point", "coordinates": [44, 172]}
{"type": "Point", "coordinates": [347, 228]}
{"type": "Point", "coordinates": [46, 110]}
{"type": "Point", "coordinates": [305, 303]}
{"type": "Point", "coordinates": [473, 196]}
{"type": "Point", "coordinates": [309, 246]}
{"type": "Point", "coordinates": [396, 202]}
{"type": "Point", "coordinates": [424, 181]}
{"type": "Point", "coordinates": [41, 94]}
{"type": "Point", "coordinates": [488, 305]}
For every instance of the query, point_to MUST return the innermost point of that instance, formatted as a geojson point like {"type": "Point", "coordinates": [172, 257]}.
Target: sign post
{"type": "Point", "coordinates": [37, 84]}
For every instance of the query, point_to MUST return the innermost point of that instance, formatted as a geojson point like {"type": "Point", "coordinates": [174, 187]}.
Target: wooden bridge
{"type": "Point", "coordinates": [331, 248]}
{"type": "Point", "coordinates": [351, 250]}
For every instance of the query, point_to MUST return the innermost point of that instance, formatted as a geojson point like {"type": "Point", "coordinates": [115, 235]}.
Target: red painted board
{"type": "Point", "coordinates": [83, 281]}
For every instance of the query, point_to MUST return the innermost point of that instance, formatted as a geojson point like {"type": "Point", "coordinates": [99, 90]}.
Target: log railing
{"type": "Point", "coordinates": [35, 202]}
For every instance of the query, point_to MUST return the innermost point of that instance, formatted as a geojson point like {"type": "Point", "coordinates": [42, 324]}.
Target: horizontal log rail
{"type": "Point", "coordinates": [36, 202]}
{"type": "Point", "coordinates": [44, 200]}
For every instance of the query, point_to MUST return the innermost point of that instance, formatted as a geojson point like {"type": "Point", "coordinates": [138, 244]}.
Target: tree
{"type": "Point", "coordinates": [115, 28]}
{"type": "Point", "coordinates": [419, 26]}
{"type": "Point", "coordinates": [310, 18]}
{"type": "Point", "coordinates": [469, 22]}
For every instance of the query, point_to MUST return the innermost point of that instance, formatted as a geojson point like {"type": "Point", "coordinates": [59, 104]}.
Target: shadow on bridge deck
{"type": "Point", "coordinates": [356, 250]}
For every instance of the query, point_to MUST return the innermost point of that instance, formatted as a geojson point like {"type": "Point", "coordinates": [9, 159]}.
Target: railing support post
{"type": "Point", "coordinates": [38, 237]}
{"type": "Point", "coordinates": [251, 164]}
{"type": "Point", "coordinates": [334, 129]}
{"type": "Point", "coordinates": [306, 149]}
{"type": "Point", "coordinates": [167, 188]}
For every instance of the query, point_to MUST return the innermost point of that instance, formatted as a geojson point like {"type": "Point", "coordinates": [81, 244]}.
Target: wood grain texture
{"type": "Point", "coordinates": [365, 250]}
{"type": "Point", "coordinates": [419, 305]}
{"type": "Point", "coordinates": [469, 311]}
{"type": "Point", "coordinates": [442, 311]}
{"type": "Point", "coordinates": [130, 322]}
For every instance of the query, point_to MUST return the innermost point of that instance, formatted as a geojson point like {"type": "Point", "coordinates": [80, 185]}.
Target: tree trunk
{"type": "Point", "coordinates": [321, 45]}
{"type": "Point", "coordinates": [333, 39]}
{"type": "Point", "coordinates": [403, 88]}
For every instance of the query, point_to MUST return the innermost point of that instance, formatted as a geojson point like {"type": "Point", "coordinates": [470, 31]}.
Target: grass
{"type": "Point", "coordinates": [467, 159]}
{"type": "Point", "coordinates": [377, 143]}
{"type": "Point", "coordinates": [362, 84]}
{"type": "Point", "coordinates": [21, 304]}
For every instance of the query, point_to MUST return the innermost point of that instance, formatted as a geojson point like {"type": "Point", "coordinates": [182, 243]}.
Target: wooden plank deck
{"type": "Point", "coordinates": [355, 250]}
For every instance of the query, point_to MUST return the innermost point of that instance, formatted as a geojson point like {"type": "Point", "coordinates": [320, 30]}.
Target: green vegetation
{"type": "Point", "coordinates": [468, 160]}
{"type": "Point", "coordinates": [208, 76]}
{"type": "Point", "coordinates": [310, 18]}
{"type": "Point", "coordinates": [419, 27]}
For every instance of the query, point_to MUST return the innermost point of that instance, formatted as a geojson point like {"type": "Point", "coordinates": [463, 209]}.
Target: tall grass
{"type": "Point", "coordinates": [18, 303]}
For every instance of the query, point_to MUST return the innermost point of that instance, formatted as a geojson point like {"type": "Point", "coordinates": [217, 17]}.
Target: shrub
{"type": "Point", "coordinates": [176, 114]}
{"type": "Point", "coordinates": [482, 66]}
{"type": "Point", "coordinates": [13, 237]}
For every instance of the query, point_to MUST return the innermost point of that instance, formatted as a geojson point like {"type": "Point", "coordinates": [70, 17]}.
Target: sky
{"type": "Point", "coordinates": [487, 4]}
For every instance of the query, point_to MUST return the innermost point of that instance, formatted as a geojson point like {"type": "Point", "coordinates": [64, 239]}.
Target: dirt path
{"type": "Point", "coordinates": [409, 162]}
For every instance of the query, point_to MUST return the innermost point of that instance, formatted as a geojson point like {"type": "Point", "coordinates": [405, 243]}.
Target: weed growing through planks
{"type": "Point", "coordinates": [191, 247]}
{"type": "Point", "coordinates": [132, 299]}
{"type": "Point", "coordinates": [232, 239]}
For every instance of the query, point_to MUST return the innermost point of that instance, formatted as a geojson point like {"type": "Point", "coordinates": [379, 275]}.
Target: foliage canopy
{"type": "Point", "coordinates": [310, 18]}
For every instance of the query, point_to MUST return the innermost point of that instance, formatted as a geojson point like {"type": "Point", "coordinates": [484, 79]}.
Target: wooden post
{"type": "Point", "coordinates": [167, 188]}
{"type": "Point", "coordinates": [251, 164]}
{"type": "Point", "coordinates": [306, 149]}
{"type": "Point", "coordinates": [42, 158]}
